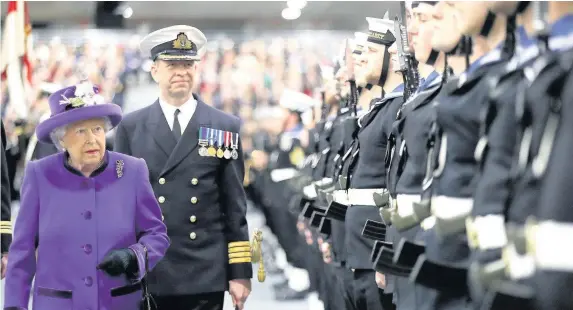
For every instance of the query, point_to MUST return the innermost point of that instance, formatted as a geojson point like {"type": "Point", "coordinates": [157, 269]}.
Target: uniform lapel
{"type": "Point", "coordinates": [190, 137]}
{"type": "Point", "coordinates": [159, 129]}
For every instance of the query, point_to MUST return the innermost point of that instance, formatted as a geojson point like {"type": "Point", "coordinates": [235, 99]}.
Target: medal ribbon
{"type": "Point", "coordinates": [236, 141]}
{"type": "Point", "coordinates": [211, 135]}
{"type": "Point", "coordinates": [220, 140]}
{"type": "Point", "coordinates": [227, 139]}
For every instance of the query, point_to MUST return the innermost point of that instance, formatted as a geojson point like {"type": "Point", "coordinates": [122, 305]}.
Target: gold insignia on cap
{"type": "Point", "coordinates": [182, 42]}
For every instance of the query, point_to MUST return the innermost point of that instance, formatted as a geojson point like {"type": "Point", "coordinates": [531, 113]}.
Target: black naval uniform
{"type": "Point", "coordinates": [458, 109]}
{"type": "Point", "coordinates": [341, 284]}
{"type": "Point", "coordinates": [406, 173]}
{"type": "Point", "coordinates": [555, 192]}
{"type": "Point", "coordinates": [203, 203]}
{"type": "Point", "coordinates": [5, 219]}
{"type": "Point", "coordinates": [369, 174]}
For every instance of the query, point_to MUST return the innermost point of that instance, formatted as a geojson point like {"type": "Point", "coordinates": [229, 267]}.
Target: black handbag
{"type": "Point", "coordinates": [147, 299]}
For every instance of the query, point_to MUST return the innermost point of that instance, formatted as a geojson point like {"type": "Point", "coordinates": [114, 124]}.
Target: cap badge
{"type": "Point", "coordinates": [182, 42]}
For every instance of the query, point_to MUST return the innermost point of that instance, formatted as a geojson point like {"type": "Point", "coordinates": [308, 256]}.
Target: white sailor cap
{"type": "Point", "coordinates": [360, 39]}
{"type": "Point", "coordinates": [179, 42]}
{"type": "Point", "coordinates": [381, 31]}
{"type": "Point", "coordinates": [296, 101]}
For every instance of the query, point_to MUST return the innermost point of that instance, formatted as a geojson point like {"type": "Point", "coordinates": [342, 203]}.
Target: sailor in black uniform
{"type": "Point", "coordinates": [408, 147]}
{"type": "Point", "coordinates": [364, 171]}
{"type": "Point", "coordinates": [457, 132]}
{"type": "Point", "coordinates": [522, 165]}
{"type": "Point", "coordinates": [547, 233]}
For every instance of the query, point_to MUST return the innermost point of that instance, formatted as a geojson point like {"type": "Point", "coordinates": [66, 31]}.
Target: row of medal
{"type": "Point", "coordinates": [218, 143]}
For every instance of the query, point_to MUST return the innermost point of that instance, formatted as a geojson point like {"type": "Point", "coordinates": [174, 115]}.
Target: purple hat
{"type": "Point", "coordinates": [73, 104]}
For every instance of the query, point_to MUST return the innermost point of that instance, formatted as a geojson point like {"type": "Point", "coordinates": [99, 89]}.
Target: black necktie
{"type": "Point", "coordinates": [176, 126]}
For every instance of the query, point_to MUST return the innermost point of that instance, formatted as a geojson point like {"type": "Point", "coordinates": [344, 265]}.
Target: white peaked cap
{"type": "Point", "coordinates": [296, 101]}
{"type": "Point", "coordinates": [162, 42]}
{"type": "Point", "coordinates": [380, 25]}
{"type": "Point", "coordinates": [360, 38]}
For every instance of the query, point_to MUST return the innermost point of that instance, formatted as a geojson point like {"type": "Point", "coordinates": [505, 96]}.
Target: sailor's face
{"type": "Point", "coordinates": [375, 60]}
{"type": "Point", "coordinates": [423, 26]}
{"type": "Point", "coordinates": [359, 69]}
{"type": "Point", "coordinates": [394, 64]}
{"type": "Point", "coordinates": [446, 33]}
{"type": "Point", "coordinates": [470, 16]}
{"type": "Point", "coordinates": [174, 77]}
{"type": "Point", "coordinates": [502, 7]}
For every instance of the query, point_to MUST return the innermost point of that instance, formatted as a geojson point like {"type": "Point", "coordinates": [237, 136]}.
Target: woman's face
{"type": "Point", "coordinates": [85, 141]}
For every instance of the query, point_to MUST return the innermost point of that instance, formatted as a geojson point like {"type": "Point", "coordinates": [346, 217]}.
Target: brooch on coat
{"type": "Point", "coordinates": [119, 168]}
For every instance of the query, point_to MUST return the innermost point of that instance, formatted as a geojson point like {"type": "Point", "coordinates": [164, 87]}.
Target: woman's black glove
{"type": "Point", "coordinates": [121, 261]}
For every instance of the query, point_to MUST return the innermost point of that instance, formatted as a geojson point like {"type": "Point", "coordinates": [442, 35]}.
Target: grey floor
{"type": "Point", "coordinates": [262, 294]}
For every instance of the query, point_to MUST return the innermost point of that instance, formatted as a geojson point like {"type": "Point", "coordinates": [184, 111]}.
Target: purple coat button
{"type": "Point", "coordinates": [88, 281]}
{"type": "Point", "coordinates": [88, 248]}
{"type": "Point", "coordinates": [87, 215]}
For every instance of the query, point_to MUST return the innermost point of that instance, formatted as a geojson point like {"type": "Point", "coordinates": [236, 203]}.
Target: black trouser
{"type": "Point", "coordinates": [365, 293]}
{"type": "Point", "coordinates": [206, 301]}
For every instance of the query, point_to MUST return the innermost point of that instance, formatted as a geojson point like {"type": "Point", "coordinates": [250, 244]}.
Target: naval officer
{"type": "Point", "coordinates": [196, 167]}
{"type": "Point", "coordinates": [5, 220]}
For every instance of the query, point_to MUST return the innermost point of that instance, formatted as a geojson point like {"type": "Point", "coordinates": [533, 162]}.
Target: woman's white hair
{"type": "Point", "coordinates": [58, 134]}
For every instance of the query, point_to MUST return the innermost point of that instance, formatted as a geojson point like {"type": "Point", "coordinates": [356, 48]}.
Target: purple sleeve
{"type": "Point", "coordinates": [151, 230]}
{"type": "Point", "coordinates": [22, 259]}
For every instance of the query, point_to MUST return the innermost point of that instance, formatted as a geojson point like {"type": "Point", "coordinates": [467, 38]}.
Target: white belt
{"type": "Point", "coordinates": [341, 197]}
{"type": "Point", "coordinates": [363, 196]}
{"type": "Point", "coordinates": [444, 207]}
{"type": "Point", "coordinates": [553, 249]}
{"type": "Point", "coordinates": [323, 182]}
{"type": "Point", "coordinates": [279, 175]}
{"type": "Point", "coordinates": [405, 204]}
{"type": "Point", "coordinates": [309, 191]}
{"type": "Point", "coordinates": [519, 266]}
{"type": "Point", "coordinates": [490, 231]}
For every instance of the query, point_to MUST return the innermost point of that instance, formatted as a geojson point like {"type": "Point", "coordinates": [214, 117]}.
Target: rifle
{"type": "Point", "coordinates": [408, 64]}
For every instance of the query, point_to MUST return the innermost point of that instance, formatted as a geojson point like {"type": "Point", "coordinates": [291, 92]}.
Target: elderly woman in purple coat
{"type": "Point", "coordinates": [90, 214]}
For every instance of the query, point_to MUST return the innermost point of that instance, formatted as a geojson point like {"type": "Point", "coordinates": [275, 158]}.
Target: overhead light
{"type": "Point", "coordinates": [296, 4]}
{"type": "Point", "coordinates": [127, 12]}
{"type": "Point", "coordinates": [290, 13]}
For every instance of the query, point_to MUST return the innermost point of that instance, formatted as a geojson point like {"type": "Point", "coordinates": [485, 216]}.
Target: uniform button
{"type": "Point", "coordinates": [87, 215]}
{"type": "Point", "coordinates": [161, 181]}
{"type": "Point", "coordinates": [161, 199]}
{"type": "Point", "coordinates": [88, 248]}
{"type": "Point", "coordinates": [194, 181]}
{"type": "Point", "coordinates": [192, 236]}
{"type": "Point", "coordinates": [193, 200]}
{"type": "Point", "coordinates": [88, 281]}
{"type": "Point", "coordinates": [193, 219]}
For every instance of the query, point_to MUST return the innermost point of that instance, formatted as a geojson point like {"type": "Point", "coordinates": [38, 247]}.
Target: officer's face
{"type": "Point", "coordinates": [470, 16]}
{"type": "Point", "coordinates": [421, 30]}
{"type": "Point", "coordinates": [85, 141]}
{"type": "Point", "coordinates": [446, 33]}
{"type": "Point", "coordinates": [502, 7]}
{"type": "Point", "coordinates": [175, 78]}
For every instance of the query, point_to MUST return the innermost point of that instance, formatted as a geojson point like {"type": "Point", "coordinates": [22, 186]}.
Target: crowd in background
{"type": "Point", "coordinates": [237, 77]}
